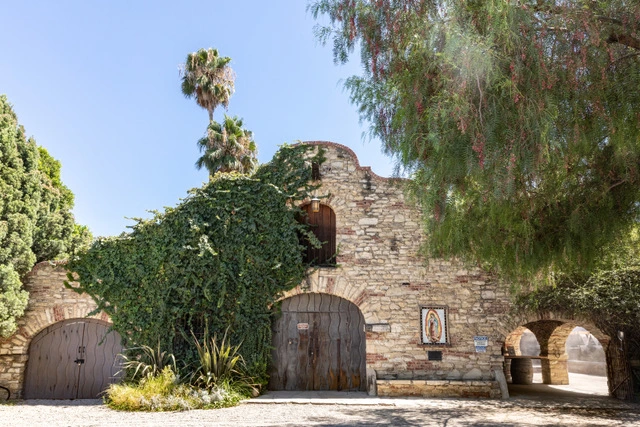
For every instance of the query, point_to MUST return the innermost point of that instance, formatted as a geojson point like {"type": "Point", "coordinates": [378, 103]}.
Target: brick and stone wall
{"type": "Point", "coordinates": [49, 303]}
{"type": "Point", "coordinates": [378, 235]}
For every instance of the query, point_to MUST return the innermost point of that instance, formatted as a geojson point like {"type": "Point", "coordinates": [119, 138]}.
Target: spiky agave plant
{"type": "Point", "coordinates": [219, 363]}
{"type": "Point", "coordinates": [148, 362]}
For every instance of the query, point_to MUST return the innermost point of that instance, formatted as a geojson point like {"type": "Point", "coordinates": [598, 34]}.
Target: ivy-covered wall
{"type": "Point", "coordinates": [218, 260]}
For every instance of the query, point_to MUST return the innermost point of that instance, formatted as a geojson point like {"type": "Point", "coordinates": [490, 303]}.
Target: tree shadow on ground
{"type": "Point", "coordinates": [485, 415]}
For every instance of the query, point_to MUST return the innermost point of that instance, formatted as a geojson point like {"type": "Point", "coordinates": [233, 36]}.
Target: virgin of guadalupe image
{"type": "Point", "coordinates": [434, 326]}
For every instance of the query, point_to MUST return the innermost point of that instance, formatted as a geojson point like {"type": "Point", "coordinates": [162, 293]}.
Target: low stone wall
{"type": "Point", "coordinates": [439, 388]}
{"type": "Point", "coordinates": [49, 302]}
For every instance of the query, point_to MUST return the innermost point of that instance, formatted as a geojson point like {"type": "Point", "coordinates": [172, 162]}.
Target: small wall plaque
{"type": "Point", "coordinates": [303, 326]}
{"type": "Point", "coordinates": [377, 327]}
{"type": "Point", "coordinates": [434, 355]}
{"type": "Point", "coordinates": [481, 341]}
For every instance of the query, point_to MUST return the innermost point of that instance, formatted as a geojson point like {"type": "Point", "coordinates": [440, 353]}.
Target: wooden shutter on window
{"type": "Point", "coordinates": [323, 225]}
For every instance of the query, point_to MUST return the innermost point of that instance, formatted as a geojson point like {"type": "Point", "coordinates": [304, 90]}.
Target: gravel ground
{"type": "Point", "coordinates": [519, 411]}
{"type": "Point", "coordinates": [583, 403]}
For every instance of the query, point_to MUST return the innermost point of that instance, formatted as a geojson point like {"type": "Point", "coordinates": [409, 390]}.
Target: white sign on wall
{"type": "Point", "coordinates": [481, 343]}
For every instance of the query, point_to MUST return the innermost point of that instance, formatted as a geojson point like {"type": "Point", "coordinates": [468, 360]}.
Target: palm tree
{"type": "Point", "coordinates": [207, 76]}
{"type": "Point", "coordinates": [227, 147]}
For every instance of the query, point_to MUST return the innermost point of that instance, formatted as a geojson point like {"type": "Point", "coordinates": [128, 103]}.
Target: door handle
{"type": "Point", "coordinates": [79, 361]}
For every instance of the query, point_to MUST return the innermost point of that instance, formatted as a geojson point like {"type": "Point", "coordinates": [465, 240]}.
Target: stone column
{"type": "Point", "coordinates": [554, 370]}
{"type": "Point", "coordinates": [521, 371]}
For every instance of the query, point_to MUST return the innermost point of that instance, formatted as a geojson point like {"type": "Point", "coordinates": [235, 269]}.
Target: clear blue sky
{"type": "Point", "coordinates": [96, 83]}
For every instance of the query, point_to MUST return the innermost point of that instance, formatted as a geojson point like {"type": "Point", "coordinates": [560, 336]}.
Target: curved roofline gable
{"type": "Point", "coordinates": [355, 159]}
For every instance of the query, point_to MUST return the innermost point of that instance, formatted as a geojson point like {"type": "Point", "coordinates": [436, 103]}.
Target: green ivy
{"type": "Point", "coordinates": [609, 298]}
{"type": "Point", "coordinates": [218, 260]}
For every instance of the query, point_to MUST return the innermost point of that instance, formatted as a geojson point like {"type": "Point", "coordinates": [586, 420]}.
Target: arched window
{"type": "Point", "coordinates": [323, 225]}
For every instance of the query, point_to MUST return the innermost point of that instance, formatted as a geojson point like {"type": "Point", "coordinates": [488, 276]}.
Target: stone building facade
{"type": "Point", "coordinates": [379, 269]}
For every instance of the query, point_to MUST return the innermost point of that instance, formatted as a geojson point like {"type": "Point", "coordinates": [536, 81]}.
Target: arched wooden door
{"type": "Point", "coordinates": [72, 359]}
{"type": "Point", "coordinates": [319, 344]}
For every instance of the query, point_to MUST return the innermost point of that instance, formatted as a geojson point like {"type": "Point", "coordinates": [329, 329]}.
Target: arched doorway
{"type": "Point", "coordinates": [585, 353]}
{"type": "Point", "coordinates": [72, 359]}
{"type": "Point", "coordinates": [319, 344]}
{"type": "Point", "coordinates": [323, 226]}
{"type": "Point", "coordinates": [559, 353]}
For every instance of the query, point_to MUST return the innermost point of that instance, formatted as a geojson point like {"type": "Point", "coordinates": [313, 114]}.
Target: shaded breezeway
{"type": "Point", "coordinates": [580, 386]}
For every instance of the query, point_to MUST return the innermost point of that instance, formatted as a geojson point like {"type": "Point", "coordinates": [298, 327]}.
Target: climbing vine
{"type": "Point", "coordinates": [218, 260]}
{"type": "Point", "coordinates": [610, 298]}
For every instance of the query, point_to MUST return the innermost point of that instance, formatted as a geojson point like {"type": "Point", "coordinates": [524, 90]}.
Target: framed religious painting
{"type": "Point", "coordinates": [433, 323]}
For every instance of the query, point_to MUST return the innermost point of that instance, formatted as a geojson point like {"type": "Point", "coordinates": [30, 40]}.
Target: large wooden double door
{"type": "Point", "coordinates": [319, 344]}
{"type": "Point", "coordinates": [72, 359]}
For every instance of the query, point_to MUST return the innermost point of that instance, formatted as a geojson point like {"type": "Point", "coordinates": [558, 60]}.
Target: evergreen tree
{"type": "Point", "coordinates": [35, 214]}
{"type": "Point", "coordinates": [519, 120]}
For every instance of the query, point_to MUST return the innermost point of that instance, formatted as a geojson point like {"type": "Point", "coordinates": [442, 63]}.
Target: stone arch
{"type": "Point", "coordinates": [551, 330]}
{"type": "Point", "coordinates": [512, 342]}
{"type": "Point", "coordinates": [36, 322]}
{"type": "Point", "coordinates": [543, 323]}
{"type": "Point", "coordinates": [337, 284]}
{"type": "Point", "coordinates": [49, 302]}
{"type": "Point", "coordinates": [328, 201]}
{"type": "Point", "coordinates": [332, 284]}
{"type": "Point", "coordinates": [552, 336]}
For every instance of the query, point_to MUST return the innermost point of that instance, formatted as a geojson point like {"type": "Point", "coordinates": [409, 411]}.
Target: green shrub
{"type": "Point", "coordinates": [153, 393]}
{"type": "Point", "coordinates": [163, 392]}
{"type": "Point", "coordinates": [153, 383]}
{"type": "Point", "coordinates": [147, 361]}
{"type": "Point", "coordinates": [221, 363]}
{"type": "Point", "coordinates": [220, 259]}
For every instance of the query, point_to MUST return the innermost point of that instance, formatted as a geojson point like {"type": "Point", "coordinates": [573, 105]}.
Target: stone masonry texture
{"type": "Point", "coordinates": [378, 236]}
{"type": "Point", "coordinates": [49, 302]}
